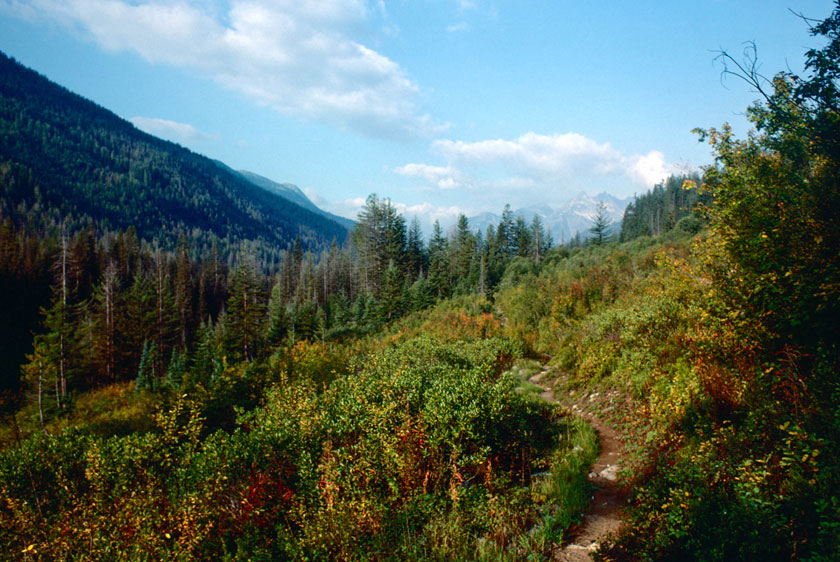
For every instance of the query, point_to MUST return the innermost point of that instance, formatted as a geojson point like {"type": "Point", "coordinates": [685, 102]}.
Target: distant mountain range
{"type": "Point", "coordinates": [566, 220]}
{"type": "Point", "coordinates": [64, 159]}
{"type": "Point", "coordinates": [294, 194]}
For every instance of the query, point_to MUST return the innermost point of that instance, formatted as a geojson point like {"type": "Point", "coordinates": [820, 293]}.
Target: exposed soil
{"type": "Point", "coordinates": [603, 516]}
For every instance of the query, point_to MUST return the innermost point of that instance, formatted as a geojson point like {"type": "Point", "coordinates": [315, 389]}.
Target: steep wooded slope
{"type": "Point", "coordinates": [64, 157]}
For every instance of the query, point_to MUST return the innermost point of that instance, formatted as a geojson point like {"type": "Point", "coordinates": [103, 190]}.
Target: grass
{"type": "Point", "coordinates": [562, 492]}
{"type": "Point", "coordinates": [565, 488]}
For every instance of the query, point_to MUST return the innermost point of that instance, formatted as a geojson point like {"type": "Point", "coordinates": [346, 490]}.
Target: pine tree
{"type": "Point", "coordinates": [601, 223]}
{"type": "Point", "coordinates": [391, 296]}
{"type": "Point", "coordinates": [166, 320]}
{"type": "Point", "coordinates": [278, 318]}
{"type": "Point", "coordinates": [541, 241]}
{"type": "Point", "coordinates": [106, 308]}
{"type": "Point", "coordinates": [176, 370]}
{"type": "Point", "coordinates": [416, 258]}
{"type": "Point", "coordinates": [462, 249]}
{"type": "Point", "coordinates": [494, 260]}
{"type": "Point", "coordinates": [36, 374]}
{"type": "Point", "coordinates": [420, 295]}
{"type": "Point", "coordinates": [140, 320]}
{"type": "Point", "coordinates": [61, 342]}
{"type": "Point", "coordinates": [245, 310]}
{"type": "Point", "coordinates": [184, 292]}
{"type": "Point", "coordinates": [378, 238]}
{"type": "Point", "coordinates": [439, 262]}
{"type": "Point", "coordinates": [505, 234]}
{"type": "Point", "coordinates": [522, 240]}
{"type": "Point", "coordinates": [206, 363]}
{"type": "Point", "coordinates": [146, 377]}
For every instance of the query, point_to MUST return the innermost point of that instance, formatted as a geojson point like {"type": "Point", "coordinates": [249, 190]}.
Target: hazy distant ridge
{"type": "Point", "coordinates": [294, 194]}
{"type": "Point", "coordinates": [564, 221]}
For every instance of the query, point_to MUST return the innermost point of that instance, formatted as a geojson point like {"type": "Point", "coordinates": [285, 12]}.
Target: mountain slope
{"type": "Point", "coordinates": [63, 157]}
{"type": "Point", "coordinates": [564, 221]}
{"type": "Point", "coordinates": [294, 194]}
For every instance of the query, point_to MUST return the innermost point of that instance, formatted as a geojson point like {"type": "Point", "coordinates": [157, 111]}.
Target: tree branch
{"type": "Point", "coordinates": [745, 69]}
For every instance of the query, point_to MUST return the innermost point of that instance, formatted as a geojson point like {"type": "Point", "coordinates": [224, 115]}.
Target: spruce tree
{"type": "Point", "coordinates": [146, 379]}
{"type": "Point", "coordinates": [601, 224]}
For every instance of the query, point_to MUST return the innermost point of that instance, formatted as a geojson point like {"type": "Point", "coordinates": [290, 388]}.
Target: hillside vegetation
{"type": "Point", "coordinates": [727, 347]}
{"type": "Point", "coordinates": [66, 162]}
{"type": "Point", "coordinates": [371, 403]}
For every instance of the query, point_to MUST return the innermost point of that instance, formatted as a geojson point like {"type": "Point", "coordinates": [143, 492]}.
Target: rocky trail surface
{"type": "Point", "coordinates": [609, 498]}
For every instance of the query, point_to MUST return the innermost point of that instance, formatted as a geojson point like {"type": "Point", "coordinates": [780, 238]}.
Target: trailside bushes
{"type": "Point", "coordinates": [424, 452]}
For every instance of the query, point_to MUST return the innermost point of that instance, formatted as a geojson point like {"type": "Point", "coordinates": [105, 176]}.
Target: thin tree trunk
{"type": "Point", "coordinates": [41, 397]}
{"type": "Point", "coordinates": [62, 361]}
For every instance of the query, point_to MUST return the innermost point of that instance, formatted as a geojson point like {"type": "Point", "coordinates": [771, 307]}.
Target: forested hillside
{"type": "Point", "coordinates": [292, 193]}
{"type": "Point", "coordinates": [271, 417]}
{"type": "Point", "coordinates": [668, 205]}
{"type": "Point", "coordinates": [66, 162]}
{"type": "Point", "coordinates": [103, 297]}
{"type": "Point", "coordinates": [370, 401]}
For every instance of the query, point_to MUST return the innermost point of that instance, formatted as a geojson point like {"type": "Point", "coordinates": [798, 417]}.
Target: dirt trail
{"type": "Point", "coordinates": [608, 500]}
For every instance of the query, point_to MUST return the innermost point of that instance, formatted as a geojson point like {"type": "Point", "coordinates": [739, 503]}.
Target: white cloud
{"type": "Point", "coordinates": [651, 168]}
{"type": "Point", "coordinates": [348, 208]}
{"type": "Point", "coordinates": [559, 164]}
{"type": "Point", "coordinates": [428, 213]}
{"type": "Point", "coordinates": [533, 154]}
{"type": "Point", "coordinates": [172, 130]}
{"type": "Point", "coordinates": [294, 55]}
{"type": "Point", "coordinates": [444, 177]}
{"type": "Point", "coordinates": [315, 197]}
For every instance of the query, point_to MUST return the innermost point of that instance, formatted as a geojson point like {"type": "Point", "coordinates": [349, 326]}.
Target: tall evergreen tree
{"type": "Point", "coordinates": [540, 240]}
{"type": "Point", "coordinates": [166, 320]}
{"type": "Point", "coordinates": [278, 317]}
{"type": "Point", "coordinates": [379, 238]}
{"type": "Point", "coordinates": [522, 239]}
{"type": "Point", "coordinates": [140, 315]}
{"type": "Point", "coordinates": [505, 234]}
{"type": "Point", "coordinates": [439, 262]}
{"type": "Point", "coordinates": [391, 297]}
{"type": "Point", "coordinates": [245, 310]}
{"type": "Point", "coordinates": [601, 224]}
{"type": "Point", "coordinates": [416, 258]}
{"type": "Point", "coordinates": [461, 249]}
{"type": "Point", "coordinates": [184, 292]}
{"type": "Point", "coordinates": [146, 377]}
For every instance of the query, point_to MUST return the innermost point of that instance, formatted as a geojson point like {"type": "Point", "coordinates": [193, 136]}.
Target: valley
{"type": "Point", "coordinates": [199, 363]}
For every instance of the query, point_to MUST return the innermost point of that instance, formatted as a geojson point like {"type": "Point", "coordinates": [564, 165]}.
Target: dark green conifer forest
{"type": "Point", "coordinates": [194, 368]}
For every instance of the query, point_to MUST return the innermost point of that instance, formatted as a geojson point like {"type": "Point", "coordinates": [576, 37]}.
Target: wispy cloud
{"type": "Point", "coordinates": [171, 130]}
{"type": "Point", "coordinates": [537, 162]}
{"type": "Point", "coordinates": [456, 27]}
{"type": "Point", "coordinates": [296, 56]}
{"type": "Point", "coordinates": [444, 177]}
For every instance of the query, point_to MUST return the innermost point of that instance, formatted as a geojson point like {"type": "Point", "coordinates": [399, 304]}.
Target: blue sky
{"type": "Point", "coordinates": [443, 106]}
